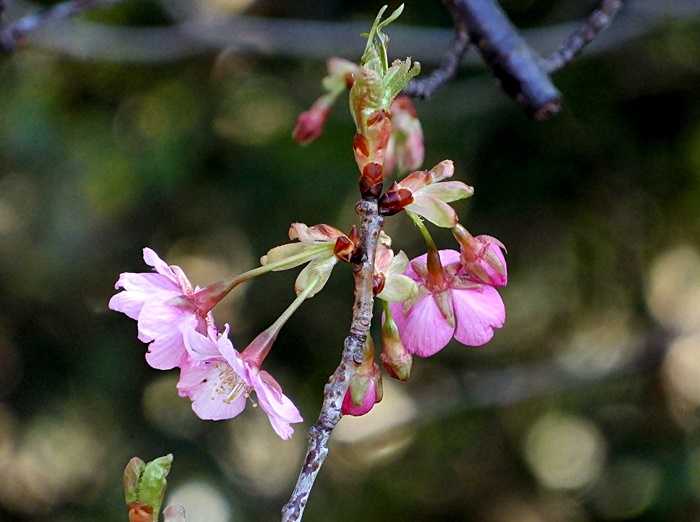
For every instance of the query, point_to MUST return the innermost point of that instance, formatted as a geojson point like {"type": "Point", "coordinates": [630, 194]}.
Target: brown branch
{"type": "Point", "coordinates": [334, 391]}
{"type": "Point", "coordinates": [17, 31]}
{"type": "Point", "coordinates": [425, 87]}
{"type": "Point", "coordinates": [596, 23]}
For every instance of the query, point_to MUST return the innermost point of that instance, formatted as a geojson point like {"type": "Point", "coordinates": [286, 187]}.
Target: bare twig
{"type": "Point", "coordinates": [334, 391]}
{"type": "Point", "coordinates": [425, 87]}
{"type": "Point", "coordinates": [597, 22]}
{"type": "Point", "coordinates": [18, 30]}
{"type": "Point", "coordinates": [510, 58]}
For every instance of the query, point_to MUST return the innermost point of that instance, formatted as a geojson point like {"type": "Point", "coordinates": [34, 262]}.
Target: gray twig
{"type": "Point", "coordinates": [425, 87]}
{"type": "Point", "coordinates": [334, 391]}
{"type": "Point", "coordinates": [596, 23]}
{"type": "Point", "coordinates": [18, 30]}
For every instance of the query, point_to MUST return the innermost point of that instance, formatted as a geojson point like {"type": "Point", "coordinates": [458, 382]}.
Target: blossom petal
{"type": "Point", "coordinates": [432, 209]}
{"type": "Point", "coordinates": [447, 257]}
{"type": "Point", "coordinates": [159, 319]}
{"type": "Point", "coordinates": [199, 347]}
{"type": "Point", "coordinates": [315, 234]}
{"type": "Point", "coordinates": [210, 400]}
{"type": "Point", "coordinates": [294, 254]}
{"type": "Point", "coordinates": [318, 270]}
{"type": "Point", "coordinates": [280, 410]}
{"type": "Point", "coordinates": [424, 330]}
{"type": "Point", "coordinates": [129, 303]}
{"type": "Point", "coordinates": [191, 376]}
{"type": "Point", "coordinates": [448, 191]}
{"type": "Point", "coordinates": [398, 288]}
{"type": "Point", "coordinates": [399, 263]}
{"type": "Point", "coordinates": [167, 351]}
{"type": "Point", "coordinates": [152, 259]}
{"type": "Point", "coordinates": [443, 170]}
{"type": "Point", "coordinates": [478, 311]}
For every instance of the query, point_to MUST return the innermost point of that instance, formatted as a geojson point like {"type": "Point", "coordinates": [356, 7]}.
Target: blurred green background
{"type": "Point", "coordinates": [583, 408]}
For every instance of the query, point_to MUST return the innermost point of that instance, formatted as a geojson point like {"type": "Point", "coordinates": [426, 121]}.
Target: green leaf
{"type": "Point", "coordinates": [153, 483]}
{"type": "Point", "coordinates": [397, 77]}
{"type": "Point", "coordinates": [375, 54]}
{"type": "Point", "coordinates": [132, 475]}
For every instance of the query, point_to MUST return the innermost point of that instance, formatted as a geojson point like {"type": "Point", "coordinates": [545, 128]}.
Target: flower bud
{"type": "Point", "coordinates": [395, 358]}
{"type": "Point", "coordinates": [406, 148]}
{"type": "Point", "coordinates": [482, 257]}
{"type": "Point", "coordinates": [365, 389]}
{"type": "Point", "coordinates": [310, 123]}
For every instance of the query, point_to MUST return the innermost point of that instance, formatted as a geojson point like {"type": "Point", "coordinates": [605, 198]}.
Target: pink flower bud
{"type": "Point", "coordinates": [310, 123]}
{"type": "Point", "coordinates": [365, 388]}
{"type": "Point", "coordinates": [407, 149]}
{"type": "Point", "coordinates": [482, 257]}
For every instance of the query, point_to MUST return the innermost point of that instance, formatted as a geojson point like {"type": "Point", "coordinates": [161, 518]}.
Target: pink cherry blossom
{"type": "Point", "coordinates": [161, 302]}
{"type": "Point", "coordinates": [453, 306]}
{"type": "Point", "coordinates": [219, 381]}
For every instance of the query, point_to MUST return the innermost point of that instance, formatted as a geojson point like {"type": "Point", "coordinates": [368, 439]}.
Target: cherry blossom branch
{"type": "Point", "coordinates": [425, 87]}
{"type": "Point", "coordinates": [334, 391]}
{"type": "Point", "coordinates": [14, 33]}
{"type": "Point", "coordinates": [597, 22]}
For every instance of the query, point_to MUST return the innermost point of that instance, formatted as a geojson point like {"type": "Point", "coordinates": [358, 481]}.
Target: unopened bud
{"type": "Point", "coordinates": [310, 123]}
{"type": "Point", "coordinates": [372, 180]}
{"type": "Point", "coordinates": [482, 257]}
{"type": "Point", "coordinates": [365, 389]}
{"type": "Point", "coordinates": [395, 358]}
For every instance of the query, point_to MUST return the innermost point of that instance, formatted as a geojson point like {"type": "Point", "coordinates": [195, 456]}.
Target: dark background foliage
{"type": "Point", "coordinates": [583, 408]}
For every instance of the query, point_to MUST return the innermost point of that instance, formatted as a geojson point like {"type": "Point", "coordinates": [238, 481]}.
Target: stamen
{"type": "Point", "coordinates": [230, 384]}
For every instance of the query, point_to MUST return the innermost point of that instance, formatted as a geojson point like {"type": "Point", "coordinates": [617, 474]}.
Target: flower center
{"type": "Point", "coordinates": [230, 384]}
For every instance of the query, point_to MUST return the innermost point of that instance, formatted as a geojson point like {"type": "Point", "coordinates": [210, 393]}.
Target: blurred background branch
{"type": "Point", "coordinates": [597, 22]}
{"type": "Point", "coordinates": [306, 38]}
{"type": "Point", "coordinates": [18, 30]}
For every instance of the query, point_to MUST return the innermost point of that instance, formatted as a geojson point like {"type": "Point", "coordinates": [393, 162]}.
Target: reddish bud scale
{"type": "Point", "coordinates": [349, 80]}
{"type": "Point", "coordinates": [395, 200]}
{"type": "Point", "coordinates": [343, 248]}
{"type": "Point", "coordinates": [139, 512]}
{"type": "Point", "coordinates": [360, 145]}
{"type": "Point", "coordinates": [372, 180]}
{"type": "Point", "coordinates": [378, 281]}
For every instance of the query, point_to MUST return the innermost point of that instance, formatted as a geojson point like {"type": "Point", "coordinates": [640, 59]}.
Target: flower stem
{"type": "Point", "coordinates": [258, 349]}
{"type": "Point", "coordinates": [429, 242]}
{"type": "Point", "coordinates": [436, 273]}
{"type": "Point", "coordinates": [210, 296]}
